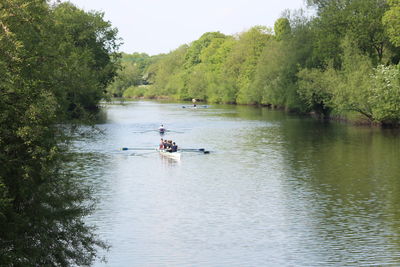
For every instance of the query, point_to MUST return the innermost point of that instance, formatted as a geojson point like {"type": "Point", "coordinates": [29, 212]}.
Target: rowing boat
{"type": "Point", "coordinates": [174, 155]}
{"type": "Point", "coordinates": [195, 107]}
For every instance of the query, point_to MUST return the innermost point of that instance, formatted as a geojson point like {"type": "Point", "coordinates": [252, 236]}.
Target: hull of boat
{"type": "Point", "coordinates": [173, 155]}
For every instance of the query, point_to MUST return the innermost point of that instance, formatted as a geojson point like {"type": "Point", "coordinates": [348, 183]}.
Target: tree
{"type": "Point", "coordinates": [391, 21]}
{"type": "Point", "coordinates": [275, 80]}
{"type": "Point", "coordinates": [384, 96]}
{"type": "Point", "coordinates": [316, 88]}
{"type": "Point", "coordinates": [282, 28]}
{"type": "Point", "coordinates": [129, 75]}
{"type": "Point", "coordinates": [165, 74]}
{"type": "Point", "coordinates": [344, 90]}
{"type": "Point", "coordinates": [87, 48]}
{"type": "Point", "coordinates": [192, 56]}
{"type": "Point", "coordinates": [361, 20]}
{"type": "Point", "coordinates": [42, 204]}
{"type": "Point", "coordinates": [243, 60]}
{"type": "Point", "coordinates": [212, 63]}
{"type": "Point", "coordinates": [352, 89]}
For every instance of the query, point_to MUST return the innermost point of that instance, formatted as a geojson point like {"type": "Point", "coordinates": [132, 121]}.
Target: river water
{"type": "Point", "coordinates": [276, 190]}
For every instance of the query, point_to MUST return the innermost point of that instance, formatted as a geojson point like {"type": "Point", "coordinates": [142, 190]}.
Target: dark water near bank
{"type": "Point", "coordinates": [276, 189]}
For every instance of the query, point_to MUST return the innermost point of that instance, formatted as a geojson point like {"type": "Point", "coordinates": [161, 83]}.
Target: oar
{"type": "Point", "coordinates": [137, 148]}
{"type": "Point", "coordinates": [201, 150]}
{"type": "Point", "coordinates": [144, 131]}
{"type": "Point", "coordinates": [192, 149]}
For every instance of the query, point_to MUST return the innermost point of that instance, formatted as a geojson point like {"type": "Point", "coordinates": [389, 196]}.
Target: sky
{"type": "Point", "coordinates": [160, 26]}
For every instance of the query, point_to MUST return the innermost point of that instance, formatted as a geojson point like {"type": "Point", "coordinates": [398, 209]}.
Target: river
{"type": "Point", "coordinates": [276, 189]}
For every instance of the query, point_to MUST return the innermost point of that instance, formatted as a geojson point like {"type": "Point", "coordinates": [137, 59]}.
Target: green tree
{"type": "Point", "coordinates": [391, 20]}
{"type": "Point", "coordinates": [282, 28]}
{"type": "Point", "coordinates": [352, 91]}
{"type": "Point", "coordinates": [275, 80]}
{"type": "Point", "coordinates": [361, 20]}
{"type": "Point", "coordinates": [316, 87]}
{"type": "Point", "coordinates": [243, 59]}
{"type": "Point", "coordinates": [344, 90]}
{"type": "Point", "coordinates": [384, 96]}
{"type": "Point", "coordinates": [42, 204]}
{"type": "Point", "coordinates": [87, 47]}
{"type": "Point", "coordinates": [221, 86]}
{"type": "Point", "coordinates": [165, 74]}
{"type": "Point", "coordinates": [192, 56]}
{"type": "Point", "coordinates": [197, 82]}
{"type": "Point", "coordinates": [129, 75]}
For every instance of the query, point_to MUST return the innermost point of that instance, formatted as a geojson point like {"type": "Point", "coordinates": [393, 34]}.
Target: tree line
{"type": "Point", "coordinates": [342, 61]}
{"type": "Point", "coordinates": [56, 62]}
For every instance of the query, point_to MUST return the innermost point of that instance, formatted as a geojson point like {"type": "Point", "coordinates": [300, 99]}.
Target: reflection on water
{"type": "Point", "coordinates": [352, 174]}
{"type": "Point", "coordinates": [277, 190]}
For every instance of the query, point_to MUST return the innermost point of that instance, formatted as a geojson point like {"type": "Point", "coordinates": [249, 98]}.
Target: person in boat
{"type": "Point", "coordinates": [161, 129]}
{"type": "Point", "coordinates": [165, 145]}
{"type": "Point", "coordinates": [174, 147]}
{"type": "Point", "coordinates": [161, 144]}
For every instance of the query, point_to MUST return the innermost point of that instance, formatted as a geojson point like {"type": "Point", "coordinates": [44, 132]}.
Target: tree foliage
{"type": "Point", "coordinates": [131, 74]}
{"type": "Point", "coordinates": [282, 28]}
{"type": "Point", "coordinates": [352, 84]}
{"type": "Point", "coordinates": [86, 45]}
{"type": "Point", "coordinates": [55, 62]}
{"type": "Point", "coordinates": [391, 20]}
{"type": "Point", "coordinates": [384, 96]}
{"type": "Point", "coordinates": [321, 64]}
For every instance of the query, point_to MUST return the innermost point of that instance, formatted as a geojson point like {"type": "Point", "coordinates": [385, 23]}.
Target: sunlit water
{"type": "Point", "coordinates": [276, 189]}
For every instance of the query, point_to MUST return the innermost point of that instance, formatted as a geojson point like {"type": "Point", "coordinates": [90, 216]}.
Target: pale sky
{"type": "Point", "coordinates": [160, 26]}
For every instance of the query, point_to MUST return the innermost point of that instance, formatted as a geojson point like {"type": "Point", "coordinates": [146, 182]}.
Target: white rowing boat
{"type": "Point", "coordinates": [174, 155]}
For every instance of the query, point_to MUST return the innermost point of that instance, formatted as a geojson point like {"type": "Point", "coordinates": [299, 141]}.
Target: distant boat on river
{"type": "Point", "coordinates": [195, 106]}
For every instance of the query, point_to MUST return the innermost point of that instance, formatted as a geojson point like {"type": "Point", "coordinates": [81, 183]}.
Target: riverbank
{"type": "Point", "coordinates": [351, 118]}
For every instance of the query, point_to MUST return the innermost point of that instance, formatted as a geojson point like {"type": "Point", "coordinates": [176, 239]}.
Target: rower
{"type": "Point", "coordinates": [161, 144]}
{"type": "Point", "coordinates": [169, 146]}
{"type": "Point", "coordinates": [165, 144]}
{"type": "Point", "coordinates": [174, 147]}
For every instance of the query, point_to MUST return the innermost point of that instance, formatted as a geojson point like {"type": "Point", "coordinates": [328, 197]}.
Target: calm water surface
{"type": "Point", "coordinates": [276, 189]}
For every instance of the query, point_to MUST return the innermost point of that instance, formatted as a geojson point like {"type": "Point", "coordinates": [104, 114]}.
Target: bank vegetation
{"type": "Point", "coordinates": [340, 62]}
{"type": "Point", "coordinates": [56, 62]}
